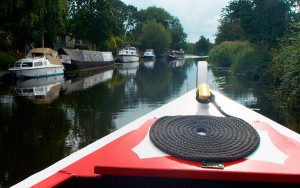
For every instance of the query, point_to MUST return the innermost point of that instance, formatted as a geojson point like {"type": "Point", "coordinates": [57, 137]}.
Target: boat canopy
{"type": "Point", "coordinates": [42, 52]}
{"type": "Point", "coordinates": [86, 55]}
{"type": "Point", "coordinates": [49, 53]}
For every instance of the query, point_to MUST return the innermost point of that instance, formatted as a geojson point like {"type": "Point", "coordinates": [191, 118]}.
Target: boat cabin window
{"type": "Point", "coordinates": [18, 64]}
{"type": "Point", "coordinates": [38, 64]}
{"type": "Point", "coordinates": [45, 63]}
{"type": "Point", "coordinates": [27, 90]}
{"type": "Point", "coordinates": [27, 64]}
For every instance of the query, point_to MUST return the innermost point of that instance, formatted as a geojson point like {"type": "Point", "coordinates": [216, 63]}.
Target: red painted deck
{"type": "Point", "coordinates": [118, 158]}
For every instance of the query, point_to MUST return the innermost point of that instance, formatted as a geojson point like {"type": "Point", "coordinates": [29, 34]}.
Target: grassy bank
{"type": "Point", "coordinates": [7, 60]}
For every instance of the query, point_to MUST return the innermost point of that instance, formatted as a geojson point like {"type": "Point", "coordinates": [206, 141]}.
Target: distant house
{"type": "Point", "coordinates": [67, 42]}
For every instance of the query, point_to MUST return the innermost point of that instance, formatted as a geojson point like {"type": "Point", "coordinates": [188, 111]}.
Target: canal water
{"type": "Point", "coordinates": [44, 120]}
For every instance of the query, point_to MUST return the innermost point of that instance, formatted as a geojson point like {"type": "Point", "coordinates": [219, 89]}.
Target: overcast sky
{"type": "Point", "coordinates": [197, 17]}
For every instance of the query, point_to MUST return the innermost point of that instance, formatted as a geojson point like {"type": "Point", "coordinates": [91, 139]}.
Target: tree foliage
{"type": "Point", "coordinates": [91, 20]}
{"type": "Point", "coordinates": [172, 24]}
{"type": "Point", "coordinates": [154, 35]}
{"type": "Point", "coordinates": [287, 68]}
{"type": "Point", "coordinates": [260, 22]}
{"type": "Point", "coordinates": [126, 15]}
{"type": "Point", "coordinates": [241, 57]}
{"type": "Point", "coordinates": [25, 21]}
{"type": "Point", "coordinates": [202, 46]}
{"type": "Point", "coordinates": [104, 24]}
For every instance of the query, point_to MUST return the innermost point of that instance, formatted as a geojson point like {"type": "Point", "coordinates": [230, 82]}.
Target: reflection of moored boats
{"type": "Point", "coordinates": [128, 54]}
{"type": "Point", "coordinates": [84, 82]}
{"type": "Point", "coordinates": [149, 64]}
{"type": "Point", "coordinates": [39, 62]}
{"type": "Point", "coordinates": [174, 54]}
{"type": "Point", "coordinates": [176, 63]}
{"type": "Point", "coordinates": [40, 90]}
{"type": "Point", "coordinates": [149, 55]}
{"type": "Point", "coordinates": [85, 59]}
{"type": "Point", "coordinates": [128, 69]}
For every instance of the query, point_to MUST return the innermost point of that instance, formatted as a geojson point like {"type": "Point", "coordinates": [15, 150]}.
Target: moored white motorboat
{"type": "Point", "coordinates": [149, 55]}
{"type": "Point", "coordinates": [129, 157]}
{"type": "Point", "coordinates": [128, 54]}
{"type": "Point", "coordinates": [39, 62]}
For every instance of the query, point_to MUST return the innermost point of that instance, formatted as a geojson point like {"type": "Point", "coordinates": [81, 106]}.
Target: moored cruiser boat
{"type": "Point", "coordinates": [149, 55]}
{"type": "Point", "coordinates": [39, 62]}
{"type": "Point", "coordinates": [174, 54]}
{"type": "Point", "coordinates": [128, 54]}
{"type": "Point", "coordinates": [235, 147]}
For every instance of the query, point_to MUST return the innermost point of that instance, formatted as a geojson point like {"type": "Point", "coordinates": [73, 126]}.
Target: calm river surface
{"type": "Point", "coordinates": [44, 120]}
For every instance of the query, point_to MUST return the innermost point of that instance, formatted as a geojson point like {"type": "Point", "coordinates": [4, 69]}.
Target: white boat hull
{"type": "Point", "coordinates": [128, 58]}
{"type": "Point", "coordinates": [36, 72]}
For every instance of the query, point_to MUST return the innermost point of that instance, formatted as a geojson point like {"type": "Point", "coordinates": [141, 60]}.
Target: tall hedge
{"type": "Point", "coordinates": [239, 56]}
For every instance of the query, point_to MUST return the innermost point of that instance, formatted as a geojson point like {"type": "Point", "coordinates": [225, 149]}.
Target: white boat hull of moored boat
{"type": "Point", "coordinates": [128, 58]}
{"type": "Point", "coordinates": [36, 72]}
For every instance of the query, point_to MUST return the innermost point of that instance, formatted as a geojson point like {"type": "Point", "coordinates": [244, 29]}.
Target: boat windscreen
{"type": "Point", "coordinates": [18, 64]}
{"type": "Point", "coordinates": [27, 64]}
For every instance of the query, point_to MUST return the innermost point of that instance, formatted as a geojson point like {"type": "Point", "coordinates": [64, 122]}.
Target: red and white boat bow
{"type": "Point", "coordinates": [130, 152]}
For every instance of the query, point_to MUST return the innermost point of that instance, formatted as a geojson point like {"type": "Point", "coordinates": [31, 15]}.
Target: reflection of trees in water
{"type": "Point", "coordinates": [158, 84]}
{"type": "Point", "coordinates": [31, 138]}
{"type": "Point", "coordinates": [89, 111]}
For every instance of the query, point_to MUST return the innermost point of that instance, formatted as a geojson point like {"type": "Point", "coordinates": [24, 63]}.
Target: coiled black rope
{"type": "Point", "coordinates": [204, 138]}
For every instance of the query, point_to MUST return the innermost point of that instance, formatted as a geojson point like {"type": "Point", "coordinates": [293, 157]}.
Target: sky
{"type": "Point", "coordinates": [197, 17]}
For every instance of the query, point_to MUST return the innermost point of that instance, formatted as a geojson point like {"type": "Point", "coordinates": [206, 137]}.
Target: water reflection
{"type": "Point", "coordinates": [40, 90]}
{"type": "Point", "coordinates": [128, 69]}
{"type": "Point", "coordinates": [176, 63]}
{"type": "Point", "coordinates": [87, 80]}
{"type": "Point", "coordinates": [149, 64]}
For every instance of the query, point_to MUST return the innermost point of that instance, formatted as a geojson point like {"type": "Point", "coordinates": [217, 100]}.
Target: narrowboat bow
{"type": "Point", "coordinates": [242, 149]}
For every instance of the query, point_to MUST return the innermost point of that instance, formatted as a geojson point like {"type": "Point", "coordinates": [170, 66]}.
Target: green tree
{"type": "Point", "coordinates": [172, 24]}
{"type": "Point", "coordinates": [260, 22]}
{"type": "Point", "coordinates": [155, 36]}
{"type": "Point", "coordinates": [126, 15]}
{"type": "Point", "coordinates": [240, 57]}
{"type": "Point", "coordinates": [92, 20]}
{"type": "Point", "coordinates": [202, 47]}
{"type": "Point", "coordinates": [230, 31]}
{"type": "Point", "coordinates": [25, 21]}
{"type": "Point", "coordinates": [286, 70]}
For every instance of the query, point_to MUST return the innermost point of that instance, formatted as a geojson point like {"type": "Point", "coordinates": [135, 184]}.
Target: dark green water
{"type": "Point", "coordinates": [45, 120]}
